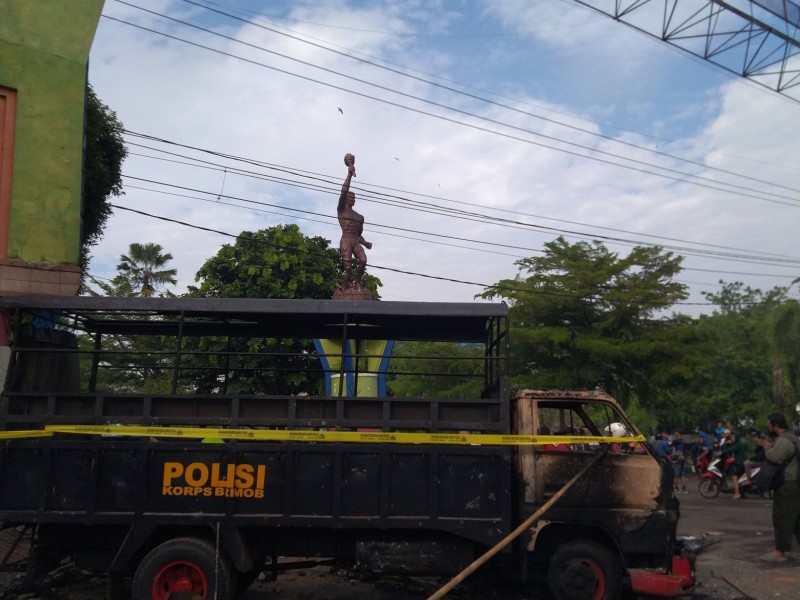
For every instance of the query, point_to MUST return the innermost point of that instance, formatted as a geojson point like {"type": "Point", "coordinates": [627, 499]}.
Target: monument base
{"type": "Point", "coordinates": [353, 292]}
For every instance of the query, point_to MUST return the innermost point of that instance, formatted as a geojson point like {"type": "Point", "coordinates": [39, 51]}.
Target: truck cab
{"type": "Point", "coordinates": [621, 516]}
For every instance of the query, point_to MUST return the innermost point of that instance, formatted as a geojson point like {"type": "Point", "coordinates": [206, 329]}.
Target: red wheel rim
{"type": "Point", "coordinates": [179, 576]}
{"type": "Point", "coordinates": [582, 575]}
{"type": "Point", "coordinates": [599, 577]}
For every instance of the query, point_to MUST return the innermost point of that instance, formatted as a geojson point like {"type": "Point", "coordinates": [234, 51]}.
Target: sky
{"type": "Point", "coordinates": [482, 130]}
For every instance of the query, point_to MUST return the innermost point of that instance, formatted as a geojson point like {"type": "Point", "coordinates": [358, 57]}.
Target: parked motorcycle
{"type": "Point", "coordinates": [716, 478]}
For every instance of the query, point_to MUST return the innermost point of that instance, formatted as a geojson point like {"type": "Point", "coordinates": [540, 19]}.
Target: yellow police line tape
{"type": "Point", "coordinates": [13, 435]}
{"type": "Point", "coordinates": [284, 435]}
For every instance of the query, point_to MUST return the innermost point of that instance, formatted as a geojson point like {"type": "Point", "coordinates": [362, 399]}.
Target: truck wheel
{"type": "Point", "coordinates": [183, 568]}
{"type": "Point", "coordinates": [585, 571]}
{"type": "Point", "coordinates": [708, 488]}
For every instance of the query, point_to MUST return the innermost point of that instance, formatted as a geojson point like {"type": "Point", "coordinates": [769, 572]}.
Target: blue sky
{"type": "Point", "coordinates": [551, 95]}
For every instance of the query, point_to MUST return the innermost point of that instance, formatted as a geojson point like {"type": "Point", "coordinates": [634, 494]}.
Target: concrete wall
{"type": "Point", "coordinates": [44, 50]}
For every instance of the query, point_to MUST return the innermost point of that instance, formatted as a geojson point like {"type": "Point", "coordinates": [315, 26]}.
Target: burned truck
{"type": "Point", "coordinates": [179, 445]}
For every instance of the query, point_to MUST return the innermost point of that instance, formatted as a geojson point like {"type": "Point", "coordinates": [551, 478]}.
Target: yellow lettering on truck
{"type": "Point", "coordinates": [213, 480]}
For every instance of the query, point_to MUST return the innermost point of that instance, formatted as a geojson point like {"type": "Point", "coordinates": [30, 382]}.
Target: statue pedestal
{"type": "Point", "coordinates": [352, 293]}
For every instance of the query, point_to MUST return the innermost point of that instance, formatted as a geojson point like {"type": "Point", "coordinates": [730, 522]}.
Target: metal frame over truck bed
{"type": "Point", "coordinates": [142, 489]}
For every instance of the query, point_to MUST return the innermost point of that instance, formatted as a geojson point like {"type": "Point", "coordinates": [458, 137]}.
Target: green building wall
{"type": "Point", "coordinates": [44, 51]}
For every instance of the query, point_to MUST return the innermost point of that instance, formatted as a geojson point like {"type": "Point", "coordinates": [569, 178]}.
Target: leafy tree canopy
{"type": "Point", "coordinates": [279, 262]}
{"type": "Point", "coordinates": [104, 151]}
{"type": "Point", "coordinates": [435, 370]}
{"type": "Point", "coordinates": [755, 367]}
{"type": "Point", "coordinates": [583, 317]}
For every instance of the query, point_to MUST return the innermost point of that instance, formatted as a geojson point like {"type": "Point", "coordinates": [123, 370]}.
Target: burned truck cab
{"type": "Point", "coordinates": [621, 516]}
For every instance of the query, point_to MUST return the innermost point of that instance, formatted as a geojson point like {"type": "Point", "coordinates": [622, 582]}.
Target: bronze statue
{"type": "Point", "coordinates": [352, 225]}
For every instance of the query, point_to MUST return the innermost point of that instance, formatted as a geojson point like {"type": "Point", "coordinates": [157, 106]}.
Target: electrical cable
{"type": "Point", "coordinates": [512, 225]}
{"type": "Point", "coordinates": [489, 101]}
{"type": "Point", "coordinates": [329, 180]}
{"type": "Point", "coordinates": [352, 52]}
{"type": "Point", "coordinates": [666, 175]}
{"type": "Point", "coordinates": [471, 216]}
{"type": "Point", "coordinates": [395, 235]}
{"type": "Point", "coordinates": [498, 288]}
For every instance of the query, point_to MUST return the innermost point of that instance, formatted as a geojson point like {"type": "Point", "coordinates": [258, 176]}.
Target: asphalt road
{"type": "Point", "coordinates": [740, 531]}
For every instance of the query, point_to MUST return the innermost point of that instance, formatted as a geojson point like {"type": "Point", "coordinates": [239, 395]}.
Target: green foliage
{"type": "Point", "coordinates": [435, 370]}
{"type": "Point", "coordinates": [130, 364]}
{"type": "Point", "coordinates": [119, 287]}
{"type": "Point", "coordinates": [103, 154]}
{"type": "Point", "coordinates": [783, 333]}
{"type": "Point", "coordinates": [754, 368]}
{"type": "Point", "coordinates": [583, 318]}
{"type": "Point", "coordinates": [133, 364]}
{"type": "Point", "coordinates": [645, 420]}
{"type": "Point", "coordinates": [143, 267]}
{"type": "Point", "coordinates": [279, 262]}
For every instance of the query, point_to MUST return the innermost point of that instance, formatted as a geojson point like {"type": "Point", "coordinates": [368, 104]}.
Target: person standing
{"type": "Point", "coordinates": [706, 442]}
{"type": "Point", "coordinates": [661, 447]}
{"type": "Point", "coordinates": [786, 497]}
{"type": "Point", "coordinates": [678, 452]}
{"type": "Point", "coordinates": [734, 448]}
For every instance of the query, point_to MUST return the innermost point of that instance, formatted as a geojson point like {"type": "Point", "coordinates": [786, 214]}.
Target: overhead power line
{"type": "Point", "coordinates": [482, 98]}
{"type": "Point", "coordinates": [328, 186]}
{"type": "Point", "coordinates": [667, 173]}
{"type": "Point", "coordinates": [390, 227]}
{"type": "Point", "coordinates": [259, 16]}
{"type": "Point", "coordinates": [327, 179]}
{"type": "Point", "coordinates": [498, 288]}
{"type": "Point", "coordinates": [436, 241]}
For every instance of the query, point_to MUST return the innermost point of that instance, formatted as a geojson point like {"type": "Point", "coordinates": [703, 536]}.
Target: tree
{"type": "Point", "coordinates": [783, 333]}
{"type": "Point", "coordinates": [143, 267]}
{"type": "Point", "coordinates": [103, 154]}
{"type": "Point", "coordinates": [119, 287]}
{"type": "Point", "coordinates": [135, 363]}
{"type": "Point", "coordinates": [754, 367]}
{"type": "Point", "coordinates": [583, 317]}
{"type": "Point", "coordinates": [279, 262]}
{"type": "Point", "coordinates": [436, 370]}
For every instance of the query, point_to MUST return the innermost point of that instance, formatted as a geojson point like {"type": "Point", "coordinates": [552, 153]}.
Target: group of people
{"type": "Point", "coordinates": [777, 448]}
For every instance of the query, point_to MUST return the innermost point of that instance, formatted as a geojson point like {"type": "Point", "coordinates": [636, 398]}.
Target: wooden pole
{"type": "Point", "coordinates": [481, 560]}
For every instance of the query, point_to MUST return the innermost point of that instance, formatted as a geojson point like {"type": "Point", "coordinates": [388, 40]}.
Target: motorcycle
{"type": "Point", "coordinates": [703, 460]}
{"type": "Point", "coordinates": [715, 478]}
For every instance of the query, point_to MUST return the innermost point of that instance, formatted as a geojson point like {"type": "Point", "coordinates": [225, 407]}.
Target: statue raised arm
{"type": "Point", "coordinates": [352, 243]}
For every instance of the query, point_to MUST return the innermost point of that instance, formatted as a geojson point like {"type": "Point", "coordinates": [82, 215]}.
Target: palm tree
{"type": "Point", "coordinates": [143, 267]}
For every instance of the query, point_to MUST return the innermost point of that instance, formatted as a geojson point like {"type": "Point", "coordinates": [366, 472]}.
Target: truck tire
{"type": "Point", "coordinates": [708, 488]}
{"type": "Point", "coordinates": [585, 571]}
{"type": "Point", "coordinates": [182, 567]}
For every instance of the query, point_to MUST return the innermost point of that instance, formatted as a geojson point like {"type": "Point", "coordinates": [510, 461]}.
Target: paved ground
{"type": "Point", "coordinates": [734, 534]}
{"type": "Point", "coordinates": [730, 569]}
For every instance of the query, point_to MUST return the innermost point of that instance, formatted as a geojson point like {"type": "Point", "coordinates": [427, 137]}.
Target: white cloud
{"type": "Point", "coordinates": [205, 99]}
